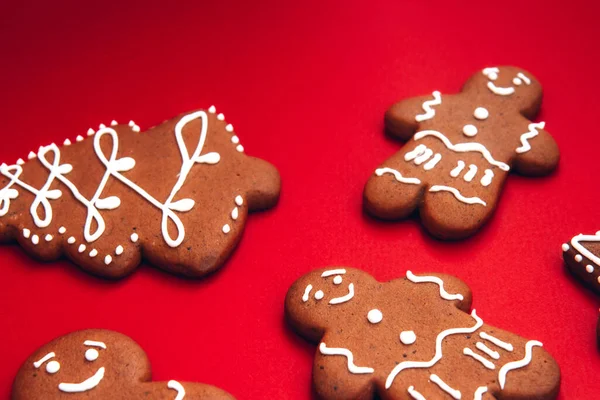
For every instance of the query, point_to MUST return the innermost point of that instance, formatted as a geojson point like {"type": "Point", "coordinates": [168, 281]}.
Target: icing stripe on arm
{"type": "Point", "coordinates": [518, 364]}
{"type": "Point", "coordinates": [434, 279]}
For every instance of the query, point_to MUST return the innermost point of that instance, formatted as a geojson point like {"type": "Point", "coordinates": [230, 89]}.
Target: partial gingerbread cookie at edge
{"type": "Point", "coordinates": [582, 258]}
{"type": "Point", "coordinates": [463, 147]}
{"type": "Point", "coordinates": [178, 195]}
{"type": "Point", "coordinates": [99, 364]}
{"type": "Point", "coordinates": [411, 338]}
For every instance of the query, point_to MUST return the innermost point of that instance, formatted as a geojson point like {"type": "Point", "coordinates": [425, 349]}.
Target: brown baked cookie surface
{"type": "Point", "coordinates": [177, 195]}
{"type": "Point", "coordinates": [98, 364]}
{"type": "Point", "coordinates": [411, 338]}
{"type": "Point", "coordinates": [460, 149]}
{"type": "Point", "coordinates": [582, 258]}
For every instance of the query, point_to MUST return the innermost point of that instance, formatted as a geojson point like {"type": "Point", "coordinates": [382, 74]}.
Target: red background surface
{"type": "Point", "coordinates": [305, 84]}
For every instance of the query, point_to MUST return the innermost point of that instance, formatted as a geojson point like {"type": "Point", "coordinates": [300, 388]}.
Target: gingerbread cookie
{"type": "Point", "coordinates": [582, 258]}
{"type": "Point", "coordinates": [463, 147]}
{"type": "Point", "coordinates": [178, 194]}
{"type": "Point", "coordinates": [99, 364]}
{"type": "Point", "coordinates": [411, 338]}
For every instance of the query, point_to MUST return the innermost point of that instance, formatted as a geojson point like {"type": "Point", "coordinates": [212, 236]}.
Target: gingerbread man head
{"type": "Point", "coordinates": [179, 194]}
{"type": "Point", "coordinates": [460, 150]}
{"type": "Point", "coordinates": [98, 364]}
{"type": "Point", "coordinates": [408, 337]}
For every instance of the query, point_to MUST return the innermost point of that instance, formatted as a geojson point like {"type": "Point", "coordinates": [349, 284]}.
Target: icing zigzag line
{"type": "Point", "coordinates": [529, 135]}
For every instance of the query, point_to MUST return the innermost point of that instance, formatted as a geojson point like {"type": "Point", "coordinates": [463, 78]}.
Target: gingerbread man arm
{"type": "Point", "coordinates": [181, 391]}
{"type": "Point", "coordinates": [401, 118]}
{"type": "Point", "coordinates": [538, 152]}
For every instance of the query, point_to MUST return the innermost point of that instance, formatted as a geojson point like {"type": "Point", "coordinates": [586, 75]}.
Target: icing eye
{"type": "Point", "coordinates": [374, 316]}
{"type": "Point", "coordinates": [91, 354]}
{"type": "Point", "coordinates": [319, 295]}
{"type": "Point", "coordinates": [517, 81]}
{"type": "Point", "coordinates": [493, 76]}
{"type": "Point", "coordinates": [337, 280]}
{"type": "Point", "coordinates": [52, 367]}
{"type": "Point", "coordinates": [589, 269]}
{"type": "Point", "coordinates": [408, 337]}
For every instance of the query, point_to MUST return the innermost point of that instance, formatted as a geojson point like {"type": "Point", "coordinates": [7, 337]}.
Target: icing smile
{"type": "Point", "coordinates": [86, 385]}
{"type": "Point", "coordinates": [503, 91]}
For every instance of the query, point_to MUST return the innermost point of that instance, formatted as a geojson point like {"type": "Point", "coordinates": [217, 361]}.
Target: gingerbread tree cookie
{"type": "Point", "coordinates": [463, 147]}
{"type": "Point", "coordinates": [177, 195]}
{"type": "Point", "coordinates": [99, 364]}
{"type": "Point", "coordinates": [411, 338]}
{"type": "Point", "coordinates": [582, 258]}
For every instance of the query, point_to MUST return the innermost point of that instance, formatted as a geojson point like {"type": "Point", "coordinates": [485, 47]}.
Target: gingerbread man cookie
{"type": "Point", "coordinates": [178, 194]}
{"type": "Point", "coordinates": [99, 364]}
{"type": "Point", "coordinates": [582, 258]}
{"type": "Point", "coordinates": [411, 338]}
{"type": "Point", "coordinates": [463, 147]}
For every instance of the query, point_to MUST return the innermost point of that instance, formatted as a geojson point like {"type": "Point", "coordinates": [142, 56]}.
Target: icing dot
{"type": "Point", "coordinates": [20, 161]}
{"type": "Point", "coordinates": [337, 279]}
{"type": "Point", "coordinates": [71, 240]}
{"type": "Point", "coordinates": [113, 123]}
{"type": "Point", "coordinates": [589, 268]}
{"type": "Point", "coordinates": [239, 200]}
{"type": "Point", "coordinates": [481, 113]}
{"type": "Point", "coordinates": [229, 128]}
{"type": "Point", "coordinates": [79, 138]}
{"type": "Point", "coordinates": [135, 128]}
{"type": "Point", "coordinates": [91, 354]}
{"type": "Point", "coordinates": [226, 228]}
{"type": "Point", "coordinates": [35, 239]}
{"type": "Point", "coordinates": [578, 258]}
{"type": "Point", "coordinates": [48, 237]}
{"type": "Point", "coordinates": [319, 295]}
{"type": "Point", "coordinates": [52, 367]}
{"type": "Point", "coordinates": [240, 148]}
{"type": "Point", "coordinates": [81, 248]}
{"type": "Point", "coordinates": [131, 123]}
{"type": "Point", "coordinates": [470, 130]}
{"type": "Point", "coordinates": [134, 237]}
{"type": "Point", "coordinates": [374, 316]}
{"type": "Point", "coordinates": [62, 230]}
{"type": "Point", "coordinates": [408, 337]}
{"type": "Point", "coordinates": [26, 233]}
{"type": "Point", "coordinates": [598, 279]}
{"type": "Point", "coordinates": [107, 260]}
{"type": "Point", "coordinates": [102, 126]}
{"type": "Point", "coordinates": [565, 247]}
{"type": "Point", "coordinates": [67, 142]}
{"type": "Point", "coordinates": [493, 76]}
{"type": "Point", "coordinates": [31, 155]}
{"type": "Point", "coordinates": [212, 109]}
{"type": "Point", "coordinates": [234, 214]}
{"type": "Point", "coordinates": [119, 250]}
{"type": "Point", "coordinates": [220, 117]}
{"type": "Point", "coordinates": [93, 253]}
{"type": "Point", "coordinates": [235, 139]}
{"type": "Point", "coordinates": [517, 81]}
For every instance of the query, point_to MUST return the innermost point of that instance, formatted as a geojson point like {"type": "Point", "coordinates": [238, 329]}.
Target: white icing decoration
{"type": "Point", "coordinates": [397, 175]}
{"type": "Point", "coordinates": [471, 173]}
{"type": "Point", "coordinates": [48, 238]}
{"type": "Point", "coordinates": [524, 78]}
{"type": "Point", "coordinates": [102, 126]}
{"type": "Point", "coordinates": [239, 200]}
{"type": "Point", "coordinates": [517, 81]}
{"type": "Point", "coordinates": [93, 253]}
{"type": "Point", "coordinates": [52, 367]}
{"type": "Point", "coordinates": [433, 162]}
{"type": "Point", "coordinates": [444, 386]}
{"type": "Point", "coordinates": [486, 363]}
{"type": "Point", "coordinates": [458, 169]}
{"type": "Point", "coordinates": [343, 299]}
{"type": "Point", "coordinates": [71, 240]}
{"type": "Point", "coordinates": [486, 180]}
{"type": "Point", "coordinates": [479, 392]}
{"type": "Point", "coordinates": [464, 147]}
{"type": "Point", "coordinates": [119, 250]}
{"type": "Point", "coordinates": [339, 271]}
{"type": "Point", "coordinates": [414, 153]}
{"type": "Point", "coordinates": [62, 230]}
{"type": "Point", "coordinates": [20, 161]}
{"type": "Point", "coordinates": [533, 132]}
{"type": "Point", "coordinates": [240, 148]}
{"type": "Point", "coordinates": [235, 139]}
{"type": "Point", "coordinates": [429, 112]}
{"type": "Point", "coordinates": [408, 337]}
{"type": "Point", "coordinates": [496, 341]}
{"type": "Point", "coordinates": [35, 239]}
{"type": "Point", "coordinates": [26, 233]}
{"type": "Point", "coordinates": [491, 73]}
{"type": "Point", "coordinates": [306, 293]}
{"type": "Point", "coordinates": [31, 155]}
{"type": "Point", "coordinates": [91, 354]}
{"type": "Point", "coordinates": [481, 113]}
{"type": "Point", "coordinates": [226, 228]}
{"type": "Point", "coordinates": [434, 279]}
{"type": "Point", "coordinates": [79, 138]}
{"type": "Point", "coordinates": [84, 386]}
{"type": "Point", "coordinates": [470, 130]}
{"type": "Point", "coordinates": [107, 260]}
{"type": "Point", "coordinates": [337, 280]}
{"type": "Point", "coordinates": [438, 350]}
{"type": "Point", "coordinates": [578, 258]}
{"type": "Point", "coordinates": [113, 123]}
{"type": "Point", "coordinates": [579, 247]}
{"type": "Point", "coordinates": [374, 316]}
{"type": "Point", "coordinates": [90, 132]}
{"type": "Point", "coordinates": [81, 248]}
{"type": "Point", "coordinates": [212, 109]}
{"type": "Point", "coordinates": [502, 91]}
{"type": "Point", "coordinates": [494, 354]}
{"type": "Point", "coordinates": [319, 294]}
{"type": "Point", "coordinates": [456, 193]}
{"type": "Point", "coordinates": [414, 394]}
{"type": "Point", "coordinates": [67, 142]}
{"type": "Point", "coordinates": [332, 351]}
{"type": "Point", "coordinates": [178, 387]}
{"type": "Point", "coordinates": [589, 269]}
{"type": "Point", "coordinates": [234, 213]}
{"type": "Point", "coordinates": [565, 247]}
{"type": "Point", "coordinates": [131, 123]}
{"type": "Point", "coordinates": [134, 237]}
{"type": "Point", "coordinates": [229, 128]}
{"type": "Point", "coordinates": [221, 117]}
{"type": "Point", "coordinates": [42, 360]}
{"type": "Point", "coordinates": [135, 128]}
{"type": "Point", "coordinates": [424, 157]}
{"type": "Point", "coordinates": [517, 364]}
{"type": "Point", "coordinates": [95, 343]}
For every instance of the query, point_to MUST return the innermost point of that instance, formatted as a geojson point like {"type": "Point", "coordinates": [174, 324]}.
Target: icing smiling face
{"type": "Point", "coordinates": [492, 75]}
